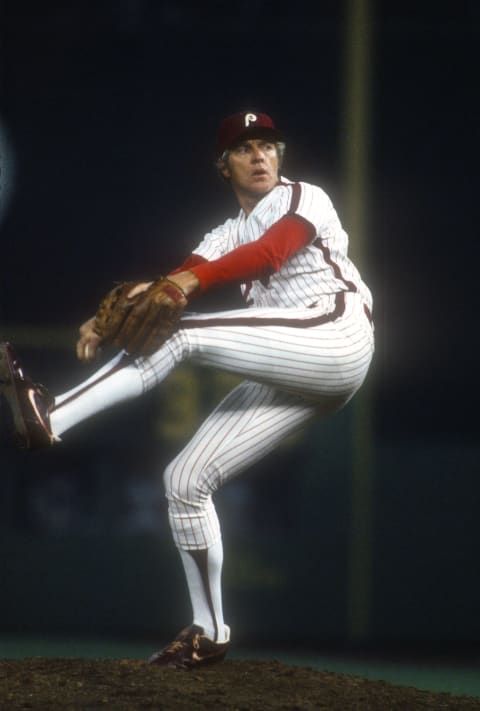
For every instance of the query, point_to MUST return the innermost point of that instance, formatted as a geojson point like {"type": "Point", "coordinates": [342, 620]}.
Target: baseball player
{"type": "Point", "coordinates": [303, 346]}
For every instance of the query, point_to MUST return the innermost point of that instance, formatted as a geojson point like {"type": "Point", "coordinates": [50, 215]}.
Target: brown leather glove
{"type": "Point", "coordinates": [141, 323]}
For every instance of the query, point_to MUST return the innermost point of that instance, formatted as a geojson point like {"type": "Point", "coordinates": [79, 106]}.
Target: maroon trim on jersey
{"type": "Point", "coordinates": [294, 203]}
{"type": "Point", "coordinates": [295, 199]}
{"type": "Point", "coordinates": [121, 364]}
{"type": "Point", "coordinates": [336, 269]}
{"type": "Point", "coordinates": [368, 313]}
{"type": "Point", "coordinates": [271, 321]}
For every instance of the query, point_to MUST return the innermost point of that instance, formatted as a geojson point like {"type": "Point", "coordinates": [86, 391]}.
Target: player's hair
{"type": "Point", "coordinates": [220, 162]}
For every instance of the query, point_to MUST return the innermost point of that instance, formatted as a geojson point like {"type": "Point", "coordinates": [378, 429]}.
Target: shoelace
{"type": "Point", "coordinates": [174, 647]}
{"type": "Point", "coordinates": [178, 645]}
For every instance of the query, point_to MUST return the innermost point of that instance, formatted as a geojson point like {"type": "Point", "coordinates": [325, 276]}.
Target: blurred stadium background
{"type": "Point", "coordinates": [359, 537]}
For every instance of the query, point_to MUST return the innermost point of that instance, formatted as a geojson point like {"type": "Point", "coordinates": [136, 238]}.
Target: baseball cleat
{"type": "Point", "coordinates": [191, 648]}
{"type": "Point", "coordinates": [28, 403]}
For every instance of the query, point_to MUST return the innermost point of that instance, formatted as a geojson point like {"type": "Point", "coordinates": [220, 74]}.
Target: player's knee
{"type": "Point", "coordinates": [184, 484]}
{"type": "Point", "coordinates": [181, 485]}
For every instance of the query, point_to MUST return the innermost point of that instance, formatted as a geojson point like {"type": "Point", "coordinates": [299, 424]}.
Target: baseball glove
{"type": "Point", "coordinates": [142, 323]}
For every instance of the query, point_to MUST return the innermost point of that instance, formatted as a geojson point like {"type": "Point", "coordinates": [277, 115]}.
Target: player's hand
{"type": "Point", "coordinates": [88, 345]}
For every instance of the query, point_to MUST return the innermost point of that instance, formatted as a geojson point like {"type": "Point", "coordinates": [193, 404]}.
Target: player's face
{"type": "Point", "coordinates": [252, 168]}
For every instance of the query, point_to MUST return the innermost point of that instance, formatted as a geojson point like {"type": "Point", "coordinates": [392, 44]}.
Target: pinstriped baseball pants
{"type": "Point", "coordinates": [298, 364]}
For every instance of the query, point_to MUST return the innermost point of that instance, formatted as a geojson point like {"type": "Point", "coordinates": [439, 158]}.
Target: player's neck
{"type": "Point", "coordinates": [248, 201]}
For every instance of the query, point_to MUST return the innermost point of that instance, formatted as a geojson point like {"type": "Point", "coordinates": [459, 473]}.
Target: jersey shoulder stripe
{"type": "Point", "coordinates": [295, 198]}
{"type": "Point", "coordinates": [314, 205]}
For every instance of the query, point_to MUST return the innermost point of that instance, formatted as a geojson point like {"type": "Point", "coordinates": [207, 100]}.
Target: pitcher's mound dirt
{"type": "Point", "coordinates": [94, 685]}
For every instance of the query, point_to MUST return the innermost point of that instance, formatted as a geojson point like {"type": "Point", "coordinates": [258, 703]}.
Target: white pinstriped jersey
{"type": "Point", "coordinates": [296, 362]}
{"type": "Point", "coordinates": [321, 268]}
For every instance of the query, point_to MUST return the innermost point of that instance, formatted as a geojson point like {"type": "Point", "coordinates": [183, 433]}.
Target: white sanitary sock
{"type": "Point", "coordinates": [203, 569]}
{"type": "Point", "coordinates": [110, 385]}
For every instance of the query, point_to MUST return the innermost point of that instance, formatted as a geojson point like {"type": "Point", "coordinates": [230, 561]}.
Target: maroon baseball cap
{"type": "Point", "coordinates": [246, 123]}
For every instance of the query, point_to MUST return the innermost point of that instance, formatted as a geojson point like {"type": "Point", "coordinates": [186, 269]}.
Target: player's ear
{"type": "Point", "coordinates": [223, 169]}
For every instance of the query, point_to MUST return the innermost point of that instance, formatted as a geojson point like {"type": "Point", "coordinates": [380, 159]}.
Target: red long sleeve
{"type": "Point", "coordinates": [257, 259]}
{"type": "Point", "coordinates": [190, 262]}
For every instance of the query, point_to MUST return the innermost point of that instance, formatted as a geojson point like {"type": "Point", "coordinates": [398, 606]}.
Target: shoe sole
{"type": "Point", "coordinates": [190, 658]}
{"type": "Point", "coordinates": [158, 660]}
{"type": "Point", "coordinates": [9, 391]}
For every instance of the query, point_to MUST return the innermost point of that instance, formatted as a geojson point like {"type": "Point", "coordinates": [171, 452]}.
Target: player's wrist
{"type": "Point", "coordinates": [186, 281]}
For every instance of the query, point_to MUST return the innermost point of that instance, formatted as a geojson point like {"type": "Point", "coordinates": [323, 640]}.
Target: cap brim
{"type": "Point", "coordinates": [253, 132]}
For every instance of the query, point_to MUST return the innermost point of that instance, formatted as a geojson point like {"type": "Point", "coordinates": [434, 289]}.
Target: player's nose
{"type": "Point", "coordinates": [257, 154]}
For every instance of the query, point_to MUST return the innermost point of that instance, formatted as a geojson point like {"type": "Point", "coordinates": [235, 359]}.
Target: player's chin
{"type": "Point", "coordinates": [262, 185]}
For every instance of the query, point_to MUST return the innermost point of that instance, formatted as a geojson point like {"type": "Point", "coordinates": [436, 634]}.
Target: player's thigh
{"type": "Point", "coordinates": [324, 361]}
{"type": "Point", "coordinates": [250, 422]}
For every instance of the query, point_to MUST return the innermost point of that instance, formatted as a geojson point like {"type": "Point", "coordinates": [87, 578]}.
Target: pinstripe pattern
{"type": "Point", "coordinates": [321, 268]}
{"type": "Point", "coordinates": [293, 372]}
{"type": "Point", "coordinates": [304, 347]}
{"type": "Point", "coordinates": [320, 361]}
{"type": "Point", "coordinates": [248, 423]}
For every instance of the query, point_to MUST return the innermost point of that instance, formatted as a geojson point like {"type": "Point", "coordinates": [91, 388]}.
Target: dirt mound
{"type": "Point", "coordinates": [94, 685]}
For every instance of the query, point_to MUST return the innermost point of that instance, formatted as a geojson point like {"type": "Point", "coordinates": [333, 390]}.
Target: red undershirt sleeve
{"type": "Point", "coordinates": [190, 262]}
{"type": "Point", "coordinates": [257, 259]}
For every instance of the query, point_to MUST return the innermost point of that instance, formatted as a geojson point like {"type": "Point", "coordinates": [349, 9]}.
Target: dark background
{"type": "Point", "coordinates": [108, 119]}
